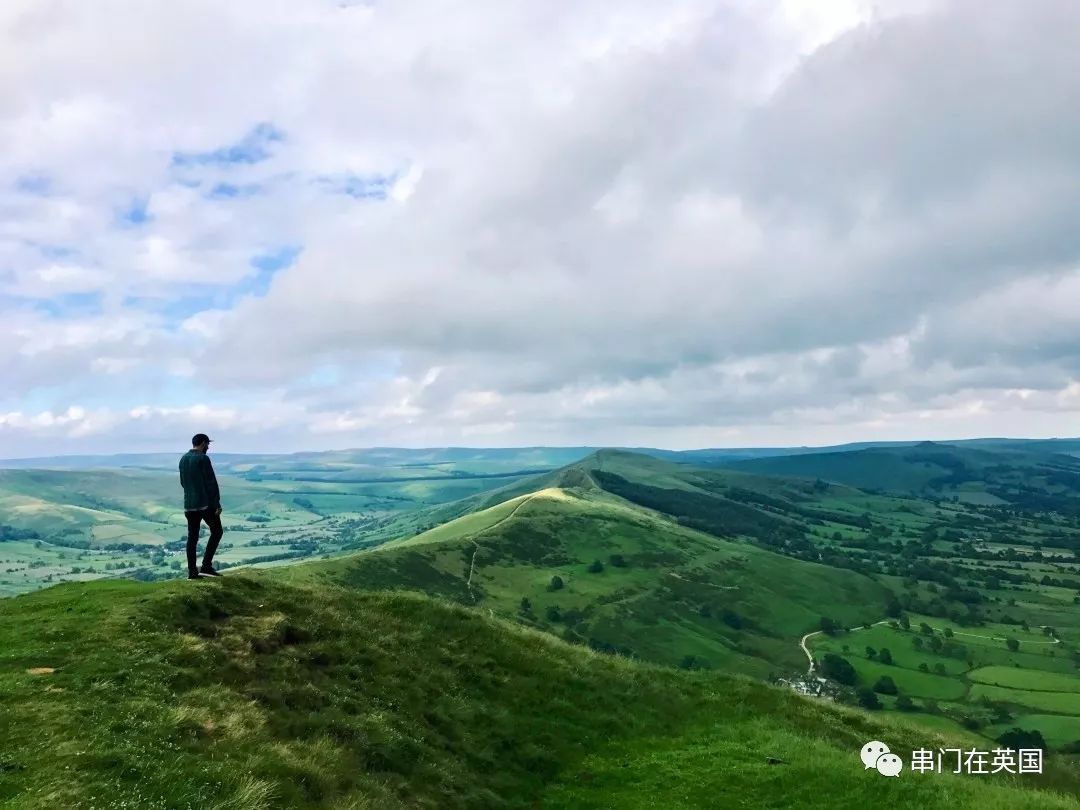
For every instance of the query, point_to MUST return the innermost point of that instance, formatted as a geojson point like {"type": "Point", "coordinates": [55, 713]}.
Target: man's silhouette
{"type": "Point", "coordinates": [202, 501]}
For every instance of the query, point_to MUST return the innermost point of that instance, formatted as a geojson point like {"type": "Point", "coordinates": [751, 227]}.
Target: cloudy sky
{"type": "Point", "coordinates": [313, 225]}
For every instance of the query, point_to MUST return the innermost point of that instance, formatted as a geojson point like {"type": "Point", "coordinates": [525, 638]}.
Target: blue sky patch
{"type": "Point", "coordinates": [276, 260]}
{"type": "Point", "coordinates": [67, 305]}
{"type": "Point", "coordinates": [50, 251]}
{"type": "Point", "coordinates": [136, 212]}
{"type": "Point", "coordinates": [36, 184]}
{"type": "Point", "coordinates": [202, 297]}
{"type": "Point", "coordinates": [175, 311]}
{"type": "Point", "coordinates": [358, 186]}
{"type": "Point", "coordinates": [227, 191]}
{"type": "Point", "coordinates": [252, 148]}
{"type": "Point", "coordinates": [267, 265]}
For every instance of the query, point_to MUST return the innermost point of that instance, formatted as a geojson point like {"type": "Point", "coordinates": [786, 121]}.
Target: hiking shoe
{"type": "Point", "coordinates": [194, 575]}
{"type": "Point", "coordinates": [209, 572]}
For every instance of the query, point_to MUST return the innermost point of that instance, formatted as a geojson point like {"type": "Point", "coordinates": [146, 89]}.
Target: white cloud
{"type": "Point", "coordinates": [713, 222]}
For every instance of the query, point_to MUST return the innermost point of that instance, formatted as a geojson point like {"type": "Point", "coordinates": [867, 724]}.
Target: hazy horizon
{"type": "Point", "coordinates": [251, 452]}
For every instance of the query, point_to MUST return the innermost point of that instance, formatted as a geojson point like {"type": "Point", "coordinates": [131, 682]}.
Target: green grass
{"type": "Point", "coordinates": [729, 769]}
{"type": "Point", "coordinates": [249, 692]}
{"type": "Point", "coordinates": [1057, 729]}
{"type": "Point", "coordinates": [667, 602]}
{"type": "Point", "coordinates": [1026, 679]}
{"type": "Point", "coordinates": [1056, 702]}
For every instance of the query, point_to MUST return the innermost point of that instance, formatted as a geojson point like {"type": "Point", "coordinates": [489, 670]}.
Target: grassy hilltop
{"type": "Point", "coordinates": [595, 568]}
{"type": "Point", "coordinates": [250, 693]}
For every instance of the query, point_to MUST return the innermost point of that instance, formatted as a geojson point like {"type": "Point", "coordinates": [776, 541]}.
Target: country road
{"type": "Point", "coordinates": [806, 650]}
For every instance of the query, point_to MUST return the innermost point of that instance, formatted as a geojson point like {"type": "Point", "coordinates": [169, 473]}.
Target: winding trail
{"type": "Point", "coordinates": [711, 585]}
{"type": "Point", "coordinates": [472, 560]}
{"type": "Point", "coordinates": [810, 658]}
{"type": "Point", "coordinates": [1055, 640]}
{"type": "Point", "coordinates": [806, 650]}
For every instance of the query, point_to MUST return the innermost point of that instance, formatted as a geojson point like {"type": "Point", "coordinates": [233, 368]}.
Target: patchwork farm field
{"type": "Point", "coordinates": [992, 677]}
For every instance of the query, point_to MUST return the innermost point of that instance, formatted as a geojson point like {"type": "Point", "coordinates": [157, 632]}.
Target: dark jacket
{"type": "Point", "coordinates": [199, 482]}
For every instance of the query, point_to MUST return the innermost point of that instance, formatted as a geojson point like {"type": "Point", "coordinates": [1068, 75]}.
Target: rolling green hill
{"type": "Point", "coordinates": [718, 568]}
{"type": "Point", "coordinates": [1014, 474]}
{"type": "Point", "coordinates": [252, 693]}
{"type": "Point", "coordinates": [577, 560]}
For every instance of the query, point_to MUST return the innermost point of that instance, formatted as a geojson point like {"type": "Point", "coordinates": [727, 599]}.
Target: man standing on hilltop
{"type": "Point", "coordinates": [202, 501]}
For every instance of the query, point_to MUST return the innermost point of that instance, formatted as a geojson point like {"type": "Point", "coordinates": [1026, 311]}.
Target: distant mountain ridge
{"type": "Point", "coordinates": [557, 456]}
{"type": "Point", "coordinates": [998, 474]}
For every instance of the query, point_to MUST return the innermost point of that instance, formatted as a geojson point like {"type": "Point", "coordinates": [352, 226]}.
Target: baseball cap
{"type": "Point", "coordinates": [199, 438]}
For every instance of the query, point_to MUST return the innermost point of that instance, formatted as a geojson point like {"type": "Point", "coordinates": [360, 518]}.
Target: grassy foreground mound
{"type": "Point", "coordinates": [246, 693]}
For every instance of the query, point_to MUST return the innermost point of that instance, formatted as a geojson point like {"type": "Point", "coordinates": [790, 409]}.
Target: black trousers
{"type": "Point", "coordinates": [194, 523]}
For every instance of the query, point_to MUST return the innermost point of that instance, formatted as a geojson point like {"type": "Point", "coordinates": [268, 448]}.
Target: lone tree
{"type": "Point", "coordinates": [1012, 644]}
{"type": "Point", "coordinates": [905, 704]}
{"type": "Point", "coordinates": [828, 626]}
{"type": "Point", "coordinates": [839, 669]}
{"type": "Point", "coordinates": [885, 656]}
{"type": "Point", "coordinates": [595, 567]}
{"type": "Point", "coordinates": [526, 605]}
{"type": "Point", "coordinates": [1022, 738]}
{"type": "Point", "coordinates": [556, 583]}
{"type": "Point", "coordinates": [886, 685]}
{"type": "Point", "coordinates": [867, 698]}
{"type": "Point", "coordinates": [617, 560]}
